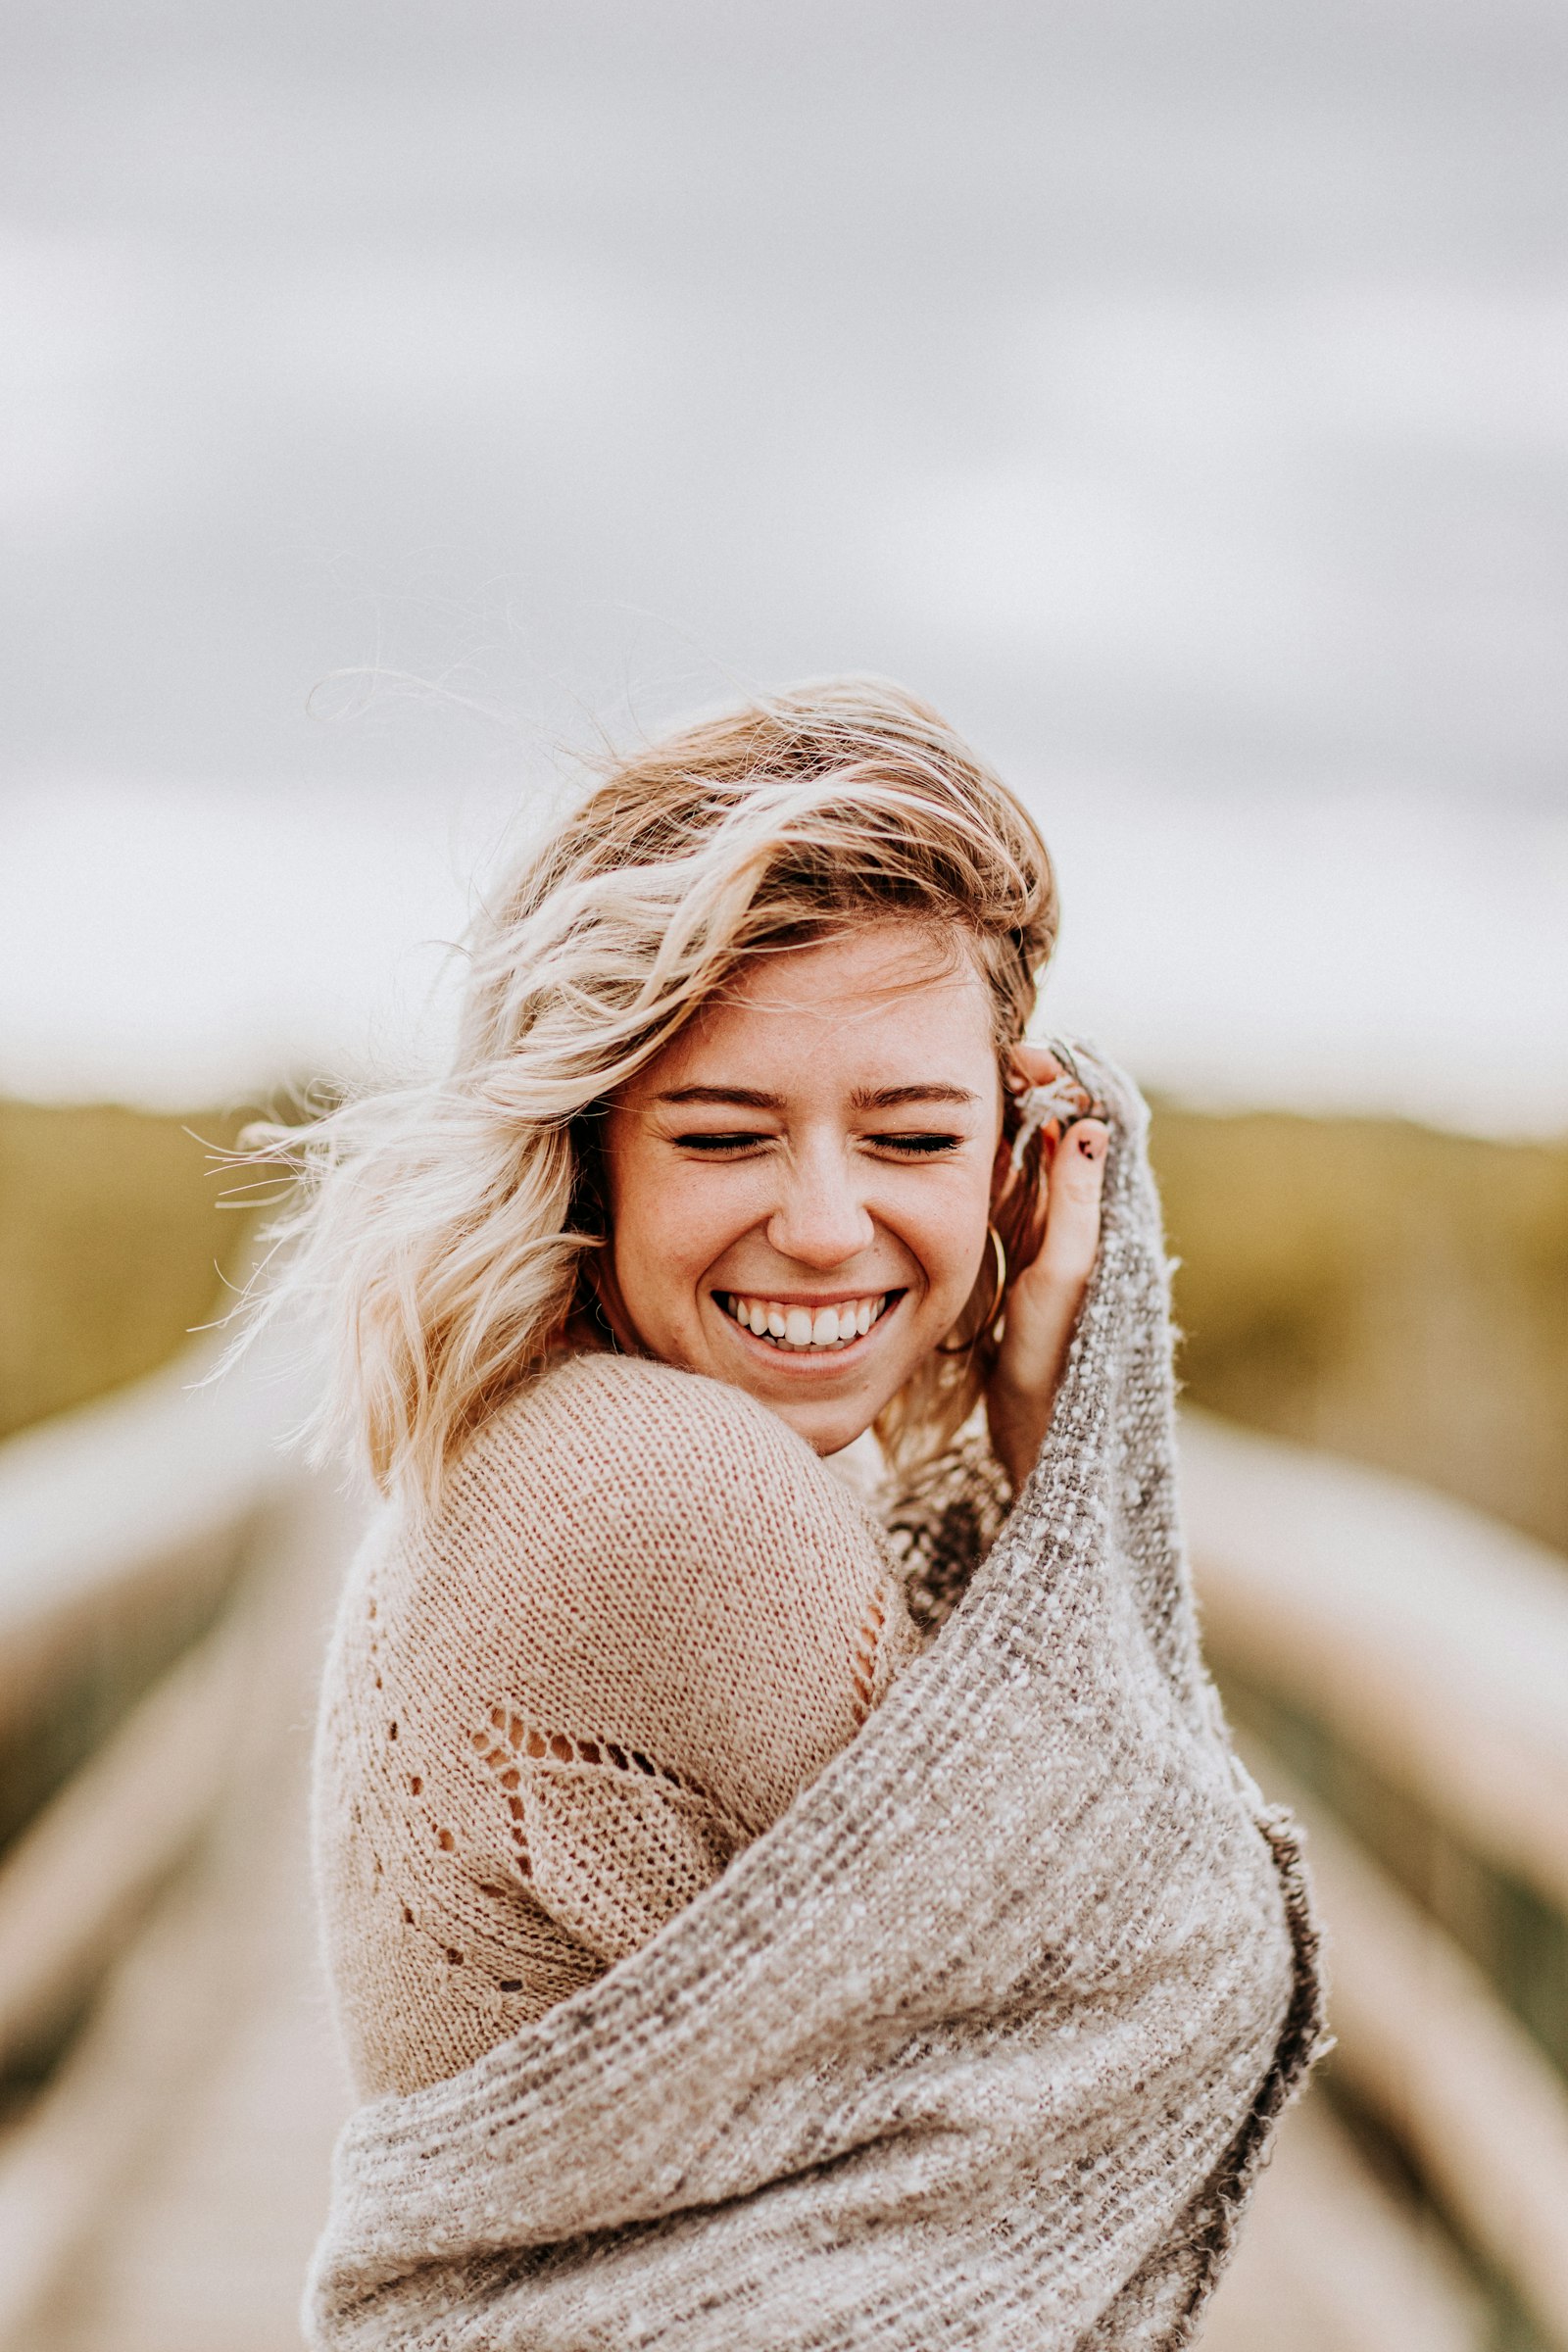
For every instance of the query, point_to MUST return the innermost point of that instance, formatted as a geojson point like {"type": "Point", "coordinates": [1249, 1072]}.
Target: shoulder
{"type": "Point", "coordinates": [631, 1396]}
{"type": "Point", "coordinates": [613, 1472]}
{"type": "Point", "coordinates": [631, 1552]}
{"type": "Point", "coordinates": [624, 1428]}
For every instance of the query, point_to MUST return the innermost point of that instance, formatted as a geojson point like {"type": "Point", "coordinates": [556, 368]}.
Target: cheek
{"type": "Point", "coordinates": [669, 1221]}
{"type": "Point", "coordinates": [945, 1226]}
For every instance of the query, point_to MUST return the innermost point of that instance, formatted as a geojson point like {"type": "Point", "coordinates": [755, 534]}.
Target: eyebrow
{"type": "Point", "coordinates": [894, 1098]}
{"type": "Point", "coordinates": [743, 1098]}
{"type": "Point", "coordinates": [864, 1097]}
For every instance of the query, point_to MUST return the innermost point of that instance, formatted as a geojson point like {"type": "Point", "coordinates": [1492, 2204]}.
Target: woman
{"type": "Point", "coordinates": [708, 1995]}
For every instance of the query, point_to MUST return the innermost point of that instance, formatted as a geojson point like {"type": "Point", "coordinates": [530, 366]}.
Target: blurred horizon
{"type": "Point", "coordinates": [1177, 398]}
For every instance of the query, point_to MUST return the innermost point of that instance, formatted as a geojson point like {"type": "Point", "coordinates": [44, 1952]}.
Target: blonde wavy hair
{"type": "Point", "coordinates": [444, 1232]}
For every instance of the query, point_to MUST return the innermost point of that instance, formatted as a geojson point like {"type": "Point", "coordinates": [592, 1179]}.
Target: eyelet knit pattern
{"type": "Point", "coordinates": [645, 1620]}
{"type": "Point", "coordinates": [976, 2026]}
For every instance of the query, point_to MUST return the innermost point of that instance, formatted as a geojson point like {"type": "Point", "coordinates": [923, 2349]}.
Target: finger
{"type": "Point", "coordinates": [1072, 1206]}
{"type": "Point", "coordinates": [1036, 1066]}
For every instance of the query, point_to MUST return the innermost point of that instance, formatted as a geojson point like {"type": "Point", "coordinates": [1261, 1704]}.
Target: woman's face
{"type": "Point", "coordinates": [799, 1184]}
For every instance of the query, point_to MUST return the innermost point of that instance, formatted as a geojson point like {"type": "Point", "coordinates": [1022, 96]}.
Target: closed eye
{"type": "Point", "coordinates": [713, 1144]}
{"type": "Point", "coordinates": [917, 1146]}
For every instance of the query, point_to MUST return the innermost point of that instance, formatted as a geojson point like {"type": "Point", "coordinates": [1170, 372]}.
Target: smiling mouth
{"type": "Point", "coordinates": [804, 1329]}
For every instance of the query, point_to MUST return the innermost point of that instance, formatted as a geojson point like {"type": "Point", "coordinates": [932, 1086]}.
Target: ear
{"type": "Point", "coordinates": [598, 1274]}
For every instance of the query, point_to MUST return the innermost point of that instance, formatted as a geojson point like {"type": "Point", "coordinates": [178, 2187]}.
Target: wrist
{"type": "Point", "coordinates": [1017, 1420]}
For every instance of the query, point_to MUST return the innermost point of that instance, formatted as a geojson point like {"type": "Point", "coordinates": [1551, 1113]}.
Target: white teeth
{"type": "Point", "coordinates": [804, 1326]}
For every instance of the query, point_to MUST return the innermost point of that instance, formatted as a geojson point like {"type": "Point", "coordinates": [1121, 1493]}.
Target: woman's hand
{"type": "Point", "coordinates": [1043, 1303]}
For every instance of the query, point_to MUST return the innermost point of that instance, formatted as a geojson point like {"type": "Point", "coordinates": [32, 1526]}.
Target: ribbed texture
{"type": "Point", "coordinates": [978, 2045]}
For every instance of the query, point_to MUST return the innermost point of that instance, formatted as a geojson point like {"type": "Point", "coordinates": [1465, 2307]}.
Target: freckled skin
{"type": "Point", "coordinates": [819, 1199]}
{"type": "Point", "coordinates": [825, 1190]}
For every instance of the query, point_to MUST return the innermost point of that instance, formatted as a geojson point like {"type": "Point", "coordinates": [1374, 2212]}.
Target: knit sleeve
{"type": "Point", "coordinates": [941, 1517]}
{"type": "Point", "coordinates": [646, 1618]}
{"type": "Point", "coordinates": [610, 1842]}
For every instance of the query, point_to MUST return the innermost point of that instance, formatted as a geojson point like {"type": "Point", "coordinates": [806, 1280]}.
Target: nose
{"type": "Point", "coordinates": [821, 1218]}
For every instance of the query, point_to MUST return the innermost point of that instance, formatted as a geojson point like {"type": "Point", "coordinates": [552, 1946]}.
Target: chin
{"type": "Point", "coordinates": [826, 1428]}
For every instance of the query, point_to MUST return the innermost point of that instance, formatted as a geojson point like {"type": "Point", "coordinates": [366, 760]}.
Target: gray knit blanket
{"type": "Point", "coordinates": [980, 2045]}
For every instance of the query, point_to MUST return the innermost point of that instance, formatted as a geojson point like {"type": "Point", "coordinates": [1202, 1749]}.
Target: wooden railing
{"type": "Point", "coordinates": [1399, 1668]}
{"type": "Point", "coordinates": [125, 1528]}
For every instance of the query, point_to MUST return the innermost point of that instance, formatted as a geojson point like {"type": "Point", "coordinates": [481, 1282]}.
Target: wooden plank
{"type": "Point", "coordinates": [1424, 2042]}
{"type": "Point", "coordinates": [125, 1527]}
{"type": "Point", "coordinates": [1331, 2262]}
{"type": "Point", "coordinates": [164, 2190]}
{"type": "Point", "coordinates": [1432, 1640]}
{"type": "Point", "coordinates": [74, 1884]}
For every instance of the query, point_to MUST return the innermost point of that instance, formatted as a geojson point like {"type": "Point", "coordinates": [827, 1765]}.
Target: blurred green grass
{"type": "Point", "coordinates": [113, 1248]}
{"type": "Point", "coordinates": [1395, 1293]}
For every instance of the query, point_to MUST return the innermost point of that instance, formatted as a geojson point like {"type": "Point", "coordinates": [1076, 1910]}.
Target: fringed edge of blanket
{"type": "Point", "coordinates": [1303, 2040]}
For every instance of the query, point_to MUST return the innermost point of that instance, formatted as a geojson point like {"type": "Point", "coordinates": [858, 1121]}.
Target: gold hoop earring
{"type": "Point", "coordinates": [988, 1321]}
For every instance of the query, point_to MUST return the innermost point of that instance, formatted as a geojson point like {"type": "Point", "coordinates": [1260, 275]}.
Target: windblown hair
{"type": "Point", "coordinates": [446, 1231]}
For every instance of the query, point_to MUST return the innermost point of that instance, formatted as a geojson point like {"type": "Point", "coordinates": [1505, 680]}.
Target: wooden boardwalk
{"type": "Point", "coordinates": [176, 2174]}
{"type": "Point", "coordinates": [166, 2193]}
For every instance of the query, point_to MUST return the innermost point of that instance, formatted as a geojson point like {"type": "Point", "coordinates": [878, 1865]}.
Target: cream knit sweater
{"type": "Point", "coordinates": [643, 1622]}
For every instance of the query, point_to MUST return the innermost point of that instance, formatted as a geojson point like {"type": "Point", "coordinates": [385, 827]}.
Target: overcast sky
{"type": "Point", "coordinates": [1179, 394]}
